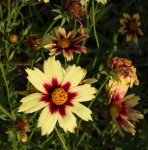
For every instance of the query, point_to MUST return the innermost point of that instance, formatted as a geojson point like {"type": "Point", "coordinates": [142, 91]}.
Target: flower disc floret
{"type": "Point", "coordinates": [63, 43]}
{"type": "Point", "coordinates": [59, 96]}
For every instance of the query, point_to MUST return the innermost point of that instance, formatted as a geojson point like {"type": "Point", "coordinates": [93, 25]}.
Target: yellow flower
{"type": "Point", "coordinates": [125, 70]}
{"type": "Point", "coordinates": [122, 113]}
{"type": "Point", "coordinates": [59, 97]}
{"type": "Point", "coordinates": [66, 44]}
{"type": "Point", "coordinates": [131, 26]}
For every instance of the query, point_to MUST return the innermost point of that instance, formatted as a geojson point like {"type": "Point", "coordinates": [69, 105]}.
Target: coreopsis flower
{"type": "Point", "coordinates": [116, 89]}
{"type": "Point", "coordinates": [130, 25]}
{"type": "Point", "coordinates": [59, 97]}
{"type": "Point", "coordinates": [66, 44]}
{"type": "Point", "coordinates": [124, 69]}
{"type": "Point", "coordinates": [123, 114]}
{"type": "Point", "coordinates": [102, 1]}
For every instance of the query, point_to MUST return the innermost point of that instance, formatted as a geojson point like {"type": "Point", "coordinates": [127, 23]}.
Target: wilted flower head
{"type": "Point", "coordinates": [124, 69]}
{"type": "Point", "coordinates": [21, 125]}
{"type": "Point", "coordinates": [75, 9]}
{"type": "Point", "coordinates": [33, 41]}
{"type": "Point", "coordinates": [115, 89]}
{"type": "Point", "coordinates": [59, 97]}
{"type": "Point", "coordinates": [131, 26]}
{"type": "Point", "coordinates": [66, 44]}
{"type": "Point", "coordinates": [122, 113]}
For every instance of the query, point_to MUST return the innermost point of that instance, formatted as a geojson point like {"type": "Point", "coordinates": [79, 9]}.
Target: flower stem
{"type": "Point", "coordinates": [94, 24]}
{"type": "Point", "coordinates": [103, 84]}
{"type": "Point", "coordinates": [5, 80]}
{"type": "Point", "coordinates": [64, 145]}
{"type": "Point", "coordinates": [2, 109]}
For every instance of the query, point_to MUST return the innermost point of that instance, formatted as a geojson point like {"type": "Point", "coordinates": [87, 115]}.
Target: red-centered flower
{"type": "Point", "coordinates": [131, 26]}
{"type": "Point", "coordinates": [123, 114]}
{"type": "Point", "coordinates": [60, 96]}
{"type": "Point", "coordinates": [66, 44]}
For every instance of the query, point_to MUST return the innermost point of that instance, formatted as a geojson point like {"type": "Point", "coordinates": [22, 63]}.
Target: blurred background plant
{"type": "Point", "coordinates": [24, 29]}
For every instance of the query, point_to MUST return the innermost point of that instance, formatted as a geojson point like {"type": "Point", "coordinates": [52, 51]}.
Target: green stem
{"type": "Point", "coordinates": [103, 84]}
{"type": "Point", "coordinates": [48, 29]}
{"type": "Point", "coordinates": [2, 109]}
{"type": "Point", "coordinates": [4, 77]}
{"type": "Point", "coordinates": [94, 23]}
{"type": "Point", "coordinates": [64, 146]}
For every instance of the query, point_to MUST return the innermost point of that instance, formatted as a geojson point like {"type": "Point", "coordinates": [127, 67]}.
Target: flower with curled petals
{"type": "Point", "coordinates": [59, 96]}
{"type": "Point", "coordinates": [131, 26]}
{"type": "Point", "coordinates": [123, 114]}
{"type": "Point", "coordinates": [125, 70]}
{"type": "Point", "coordinates": [66, 44]}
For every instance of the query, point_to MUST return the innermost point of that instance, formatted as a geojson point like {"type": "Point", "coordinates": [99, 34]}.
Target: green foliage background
{"type": "Point", "coordinates": [23, 18]}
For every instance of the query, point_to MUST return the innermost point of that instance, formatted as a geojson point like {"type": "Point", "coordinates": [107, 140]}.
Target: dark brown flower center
{"type": "Point", "coordinates": [59, 96]}
{"type": "Point", "coordinates": [63, 43]}
{"type": "Point", "coordinates": [133, 26]}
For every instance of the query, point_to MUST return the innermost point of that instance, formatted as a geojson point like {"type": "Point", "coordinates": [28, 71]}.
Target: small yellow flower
{"type": "Point", "coordinates": [124, 69]}
{"type": "Point", "coordinates": [130, 25]}
{"type": "Point", "coordinates": [60, 96]}
{"type": "Point", "coordinates": [122, 113]}
{"type": "Point", "coordinates": [66, 44]}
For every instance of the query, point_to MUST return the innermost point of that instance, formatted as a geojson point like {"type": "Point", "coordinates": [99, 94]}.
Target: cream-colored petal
{"type": "Point", "coordinates": [90, 81]}
{"type": "Point", "coordinates": [30, 97]}
{"type": "Point", "coordinates": [125, 15]}
{"type": "Point", "coordinates": [67, 122]}
{"type": "Point", "coordinates": [53, 69]}
{"type": "Point", "coordinates": [37, 79]}
{"type": "Point", "coordinates": [68, 55]}
{"type": "Point", "coordinates": [136, 16]}
{"type": "Point", "coordinates": [128, 37]}
{"type": "Point", "coordinates": [132, 101]}
{"type": "Point", "coordinates": [82, 111]}
{"type": "Point", "coordinates": [140, 31]}
{"type": "Point", "coordinates": [42, 117]}
{"type": "Point", "coordinates": [61, 31]}
{"type": "Point", "coordinates": [37, 107]}
{"type": "Point", "coordinates": [49, 45]}
{"type": "Point", "coordinates": [135, 115]}
{"type": "Point", "coordinates": [84, 92]}
{"type": "Point", "coordinates": [74, 75]}
{"type": "Point", "coordinates": [135, 39]}
{"type": "Point", "coordinates": [48, 123]}
{"type": "Point", "coordinates": [123, 21]}
{"type": "Point", "coordinates": [31, 102]}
